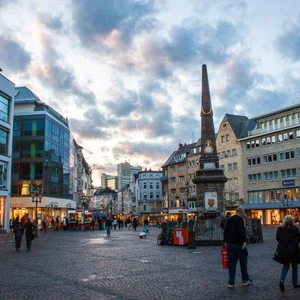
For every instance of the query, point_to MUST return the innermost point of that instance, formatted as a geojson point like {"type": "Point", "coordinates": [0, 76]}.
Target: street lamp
{"type": "Point", "coordinates": [36, 198]}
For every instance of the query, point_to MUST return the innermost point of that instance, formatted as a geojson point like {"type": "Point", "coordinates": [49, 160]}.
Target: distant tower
{"type": "Point", "coordinates": [210, 179]}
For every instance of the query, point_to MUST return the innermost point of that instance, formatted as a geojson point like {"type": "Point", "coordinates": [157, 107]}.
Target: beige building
{"type": "Point", "coordinates": [260, 158]}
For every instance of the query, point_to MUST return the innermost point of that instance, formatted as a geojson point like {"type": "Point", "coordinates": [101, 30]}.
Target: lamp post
{"type": "Point", "coordinates": [36, 198]}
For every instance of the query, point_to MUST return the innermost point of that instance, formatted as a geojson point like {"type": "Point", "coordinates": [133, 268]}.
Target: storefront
{"type": "Point", "coordinates": [273, 213]}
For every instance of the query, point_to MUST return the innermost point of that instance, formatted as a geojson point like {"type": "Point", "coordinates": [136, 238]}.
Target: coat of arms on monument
{"type": "Point", "coordinates": [211, 201]}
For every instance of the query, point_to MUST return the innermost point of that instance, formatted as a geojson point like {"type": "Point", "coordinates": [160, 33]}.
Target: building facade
{"type": "Point", "coordinates": [7, 92]}
{"type": "Point", "coordinates": [44, 159]}
{"type": "Point", "coordinates": [149, 196]}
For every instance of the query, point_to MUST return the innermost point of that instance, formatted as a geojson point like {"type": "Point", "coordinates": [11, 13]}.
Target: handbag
{"type": "Point", "coordinates": [225, 257]}
{"type": "Point", "coordinates": [277, 257]}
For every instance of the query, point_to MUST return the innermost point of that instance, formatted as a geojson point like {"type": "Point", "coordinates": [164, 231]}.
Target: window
{"type": "Point", "coordinates": [172, 169]}
{"type": "Point", "coordinates": [4, 108]}
{"type": "Point", "coordinates": [275, 157]}
{"type": "Point", "coordinates": [291, 135]}
{"type": "Point", "coordinates": [181, 168]}
{"type": "Point", "coordinates": [280, 137]}
{"type": "Point", "coordinates": [181, 179]}
{"type": "Point", "coordinates": [3, 142]}
{"type": "Point", "coordinates": [235, 166]}
{"type": "Point", "coordinates": [263, 142]}
{"type": "Point", "coordinates": [151, 195]}
{"type": "Point", "coordinates": [248, 145]}
{"type": "Point", "coordinates": [298, 133]}
{"type": "Point", "coordinates": [249, 161]}
{"type": "Point", "coordinates": [234, 152]}
{"type": "Point", "coordinates": [249, 178]}
{"type": "Point", "coordinates": [228, 153]}
{"type": "Point", "coordinates": [173, 191]}
{"type": "Point", "coordinates": [229, 167]}
{"type": "Point", "coordinates": [157, 185]}
{"type": "Point", "coordinates": [173, 180]}
{"type": "Point", "coordinates": [227, 138]}
{"type": "Point", "coordinates": [257, 143]}
{"type": "Point", "coordinates": [223, 154]}
{"type": "Point", "coordinates": [223, 138]}
{"type": "Point", "coordinates": [151, 185]}
{"type": "Point", "coordinates": [145, 185]}
{"type": "Point", "coordinates": [145, 195]}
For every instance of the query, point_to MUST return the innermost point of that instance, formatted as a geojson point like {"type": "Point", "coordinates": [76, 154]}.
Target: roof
{"type": "Point", "coordinates": [185, 149]}
{"type": "Point", "coordinates": [239, 124]}
{"type": "Point", "coordinates": [25, 94]}
{"type": "Point", "coordinates": [282, 110]}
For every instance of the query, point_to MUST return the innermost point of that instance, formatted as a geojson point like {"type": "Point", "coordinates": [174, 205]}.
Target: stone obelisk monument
{"type": "Point", "coordinates": [210, 179]}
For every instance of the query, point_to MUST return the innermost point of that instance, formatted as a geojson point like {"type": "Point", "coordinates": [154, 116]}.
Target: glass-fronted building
{"type": "Point", "coordinates": [7, 90]}
{"type": "Point", "coordinates": [41, 158]}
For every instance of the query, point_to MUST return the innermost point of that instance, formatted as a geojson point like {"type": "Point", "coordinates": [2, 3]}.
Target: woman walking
{"type": "Point", "coordinates": [288, 238]}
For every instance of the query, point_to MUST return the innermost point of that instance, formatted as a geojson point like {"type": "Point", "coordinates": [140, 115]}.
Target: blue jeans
{"type": "Point", "coordinates": [285, 270]}
{"type": "Point", "coordinates": [108, 230]}
{"type": "Point", "coordinates": [28, 240]}
{"type": "Point", "coordinates": [236, 253]}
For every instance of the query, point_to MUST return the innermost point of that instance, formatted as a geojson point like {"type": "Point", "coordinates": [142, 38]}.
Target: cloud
{"type": "Point", "coordinates": [86, 129]}
{"type": "Point", "coordinates": [13, 55]}
{"type": "Point", "coordinates": [191, 43]}
{"type": "Point", "coordinates": [288, 43]}
{"type": "Point", "coordinates": [112, 22]}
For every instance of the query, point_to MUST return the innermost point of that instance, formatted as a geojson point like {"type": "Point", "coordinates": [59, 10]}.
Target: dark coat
{"type": "Point", "coordinates": [29, 228]}
{"type": "Point", "coordinates": [288, 238]}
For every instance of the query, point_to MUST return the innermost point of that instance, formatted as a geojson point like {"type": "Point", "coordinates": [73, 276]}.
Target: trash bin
{"type": "Point", "coordinates": [181, 236]}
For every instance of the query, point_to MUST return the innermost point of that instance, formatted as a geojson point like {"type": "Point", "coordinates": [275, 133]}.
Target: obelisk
{"type": "Point", "coordinates": [210, 179]}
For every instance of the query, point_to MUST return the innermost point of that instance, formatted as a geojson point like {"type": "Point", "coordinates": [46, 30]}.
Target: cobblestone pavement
{"type": "Point", "coordinates": [89, 265]}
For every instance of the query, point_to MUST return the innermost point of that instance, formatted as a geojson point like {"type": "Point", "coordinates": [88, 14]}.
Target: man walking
{"type": "Point", "coordinates": [29, 229]}
{"type": "Point", "coordinates": [235, 237]}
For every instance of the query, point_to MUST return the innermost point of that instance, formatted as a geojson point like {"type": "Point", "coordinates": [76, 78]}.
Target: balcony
{"type": "Point", "coordinates": [272, 128]}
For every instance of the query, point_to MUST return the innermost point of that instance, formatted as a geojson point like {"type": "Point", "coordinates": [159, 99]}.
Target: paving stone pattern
{"type": "Point", "coordinates": [90, 265]}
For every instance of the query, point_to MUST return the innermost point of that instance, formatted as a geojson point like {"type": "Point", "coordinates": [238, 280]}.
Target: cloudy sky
{"type": "Point", "coordinates": [127, 73]}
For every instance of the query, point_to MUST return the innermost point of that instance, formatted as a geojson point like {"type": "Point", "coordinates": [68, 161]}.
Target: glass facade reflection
{"type": "Point", "coordinates": [40, 157]}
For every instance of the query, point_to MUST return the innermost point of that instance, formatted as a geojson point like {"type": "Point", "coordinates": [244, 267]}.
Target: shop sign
{"type": "Point", "coordinates": [290, 182]}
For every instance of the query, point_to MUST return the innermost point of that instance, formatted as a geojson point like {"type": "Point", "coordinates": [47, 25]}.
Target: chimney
{"type": "Point", "coordinates": [180, 146]}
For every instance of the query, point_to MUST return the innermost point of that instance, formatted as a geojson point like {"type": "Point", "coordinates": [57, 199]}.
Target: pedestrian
{"type": "Point", "coordinates": [235, 237]}
{"type": "Point", "coordinates": [134, 223]}
{"type": "Point", "coordinates": [119, 223]}
{"type": "Point", "coordinates": [52, 223]}
{"type": "Point", "coordinates": [29, 229]}
{"type": "Point", "coordinates": [288, 238]}
{"type": "Point", "coordinates": [146, 225]}
{"type": "Point", "coordinates": [93, 224]}
{"type": "Point", "coordinates": [115, 223]}
{"type": "Point", "coordinates": [65, 223]}
{"type": "Point", "coordinates": [107, 226]}
{"type": "Point", "coordinates": [57, 223]}
{"type": "Point", "coordinates": [18, 231]}
{"type": "Point", "coordinates": [44, 225]}
{"type": "Point", "coordinates": [224, 220]}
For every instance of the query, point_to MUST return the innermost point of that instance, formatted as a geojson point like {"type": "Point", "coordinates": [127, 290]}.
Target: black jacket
{"type": "Point", "coordinates": [29, 227]}
{"type": "Point", "coordinates": [288, 238]}
{"type": "Point", "coordinates": [235, 232]}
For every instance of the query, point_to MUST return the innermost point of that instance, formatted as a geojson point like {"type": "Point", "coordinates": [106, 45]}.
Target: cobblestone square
{"type": "Point", "coordinates": [90, 265]}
